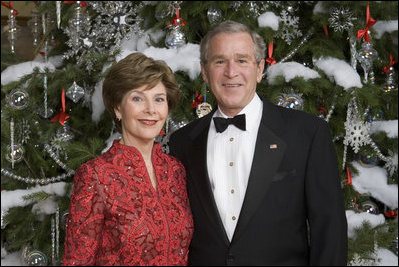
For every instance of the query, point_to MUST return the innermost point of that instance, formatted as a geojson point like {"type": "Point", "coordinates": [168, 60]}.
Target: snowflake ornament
{"type": "Point", "coordinates": [341, 19]}
{"type": "Point", "coordinates": [357, 134]}
{"type": "Point", "coordinates": [114, 20]}
{"type": "Point", "coordinates": [289, 31]}
{"type": "Point", "coordinates": [357, 131]}
{"type": "Point", "coordinates": [103, 32]}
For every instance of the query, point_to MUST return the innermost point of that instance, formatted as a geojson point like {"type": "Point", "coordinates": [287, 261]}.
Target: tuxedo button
{"type": "Point", "coordinates": [232, 191]}
{"type": "Point", "coordinates": [233, 218]}
{"type": "Point", "coordinates": [231, 139]}
{"type": "Point", "coordinates": [231, 163]}
{"type": "Point", "coordinates": [230, 257]}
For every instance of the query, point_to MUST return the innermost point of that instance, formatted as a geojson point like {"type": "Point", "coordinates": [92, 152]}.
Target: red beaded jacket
{"type": "Point", "coordinates": [116, 217]}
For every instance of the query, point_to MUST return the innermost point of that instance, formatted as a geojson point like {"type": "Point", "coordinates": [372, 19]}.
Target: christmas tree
{"type": "Point", "coordinates": [335, 60]}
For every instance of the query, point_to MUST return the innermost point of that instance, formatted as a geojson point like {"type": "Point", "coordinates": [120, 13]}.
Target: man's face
{"type": "Point", "coordinates": [231, 71]}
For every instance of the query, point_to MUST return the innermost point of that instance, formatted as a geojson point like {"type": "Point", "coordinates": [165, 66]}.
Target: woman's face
{"type": "Point", "coordinates": [143, 113]}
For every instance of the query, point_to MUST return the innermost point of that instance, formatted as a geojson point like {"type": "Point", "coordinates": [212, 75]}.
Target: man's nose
{"type": "Point", "coordinates": [231, 69]}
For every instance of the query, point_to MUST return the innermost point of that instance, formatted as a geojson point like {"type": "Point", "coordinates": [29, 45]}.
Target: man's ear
{"type": "Point", "coordinates": [204, 73]}
{"type": "Point", "coordinates": [261, 67]}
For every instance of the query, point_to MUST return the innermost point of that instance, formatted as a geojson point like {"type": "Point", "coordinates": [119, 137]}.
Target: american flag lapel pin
{"type": "Point", "coordinates": [273, 146]}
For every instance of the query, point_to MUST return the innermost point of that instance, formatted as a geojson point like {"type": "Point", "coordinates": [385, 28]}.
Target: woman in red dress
{"type": "Point", "coordinates": [129, 206]}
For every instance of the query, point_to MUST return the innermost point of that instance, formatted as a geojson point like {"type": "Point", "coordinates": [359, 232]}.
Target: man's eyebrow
{"type": "Point", "coordinates": [243, 56]}
{"type": "Point", "coordinates": [217, 57]}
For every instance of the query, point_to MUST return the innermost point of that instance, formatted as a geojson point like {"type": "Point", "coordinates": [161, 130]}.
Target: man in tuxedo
{"type": "Point", "coordinates": [262, 180]}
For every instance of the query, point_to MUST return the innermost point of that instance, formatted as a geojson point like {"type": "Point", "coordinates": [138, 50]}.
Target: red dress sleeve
{"type": "Point", "coordinates": [85, 219]}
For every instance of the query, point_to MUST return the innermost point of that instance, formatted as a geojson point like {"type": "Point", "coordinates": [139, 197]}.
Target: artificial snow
{"type": "Point", "coordinates": [269, 19]}
{"type": "Point", "coordinates": [339, 71]}
{"type": "Point", "coordinates": [355, 220]}
{"type": "Point", "coordinates": [16, 72]}
{"type": "Point", "coordinates": [389, 127]}
{"type": "Point", "coordinates": [290, 70]}
{"type": "Point", "coordinates": [373, 181]}
{"type": "Point", "coordinates": [382, 26]}
{"type": "Point", "coordinates": [11, 199]}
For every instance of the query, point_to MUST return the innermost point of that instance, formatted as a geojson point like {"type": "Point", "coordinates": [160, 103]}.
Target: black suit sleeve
{"type": "Point", "coordinates": [324, 196]}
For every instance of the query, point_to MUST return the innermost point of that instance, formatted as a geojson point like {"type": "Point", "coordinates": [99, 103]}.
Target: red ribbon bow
{"type": "Point", "coordinates": [10, 6]}
{"type": "Point", "coordinates": [176, 20]}
{"type": "Point", "coordinates": [391, 63]}
{"type": "Point", "coordinates": [62, 116]}
{"type": "Point", "coordinates": [270, 60]}
{"type": "Point", "coordinates": [370, 22]}
{"type": "Point", "coordinates": [348, 173]}
{"type": "Point", "coordinates": [391, 214]}
{"type": "Point", "coordinates": [197, 100]}
{"type": "Point", "coordinates": [82, 3]}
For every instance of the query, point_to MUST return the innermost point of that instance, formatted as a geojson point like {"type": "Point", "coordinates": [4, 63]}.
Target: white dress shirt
{"type": "Point", "coordinates": [229, 161]}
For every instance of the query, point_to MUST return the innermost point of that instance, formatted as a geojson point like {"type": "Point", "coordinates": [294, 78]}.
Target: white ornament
{"type": "Point", "coordinates": [357, 131]}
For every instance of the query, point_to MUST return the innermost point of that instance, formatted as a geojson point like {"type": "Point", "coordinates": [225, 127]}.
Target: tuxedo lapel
{"type": "Point", "coordinates": [269, 151]}
{"type": "Point", "coordinates": [198, 172]}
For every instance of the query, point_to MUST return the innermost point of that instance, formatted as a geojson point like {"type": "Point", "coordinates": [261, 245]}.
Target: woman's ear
{"type": "Point", "coordinates": [117, 113]}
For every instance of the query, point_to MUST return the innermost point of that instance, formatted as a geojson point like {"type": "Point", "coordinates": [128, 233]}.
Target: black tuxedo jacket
{"type": "Point", "coordinates": [293, 211]}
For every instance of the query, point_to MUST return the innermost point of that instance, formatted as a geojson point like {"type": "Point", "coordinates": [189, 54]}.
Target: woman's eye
{"type": "Point", "coordinates": [136, 98]}
{"type": "Point", "coordinates": [160, 99]}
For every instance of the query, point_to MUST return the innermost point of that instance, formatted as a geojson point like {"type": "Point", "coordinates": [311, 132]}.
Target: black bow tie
{"type": "Point", "coordinates": [222, 123]}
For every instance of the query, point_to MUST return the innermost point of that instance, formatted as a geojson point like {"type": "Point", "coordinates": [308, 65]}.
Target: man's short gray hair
{"type": "Point", "coordinates": [229, 26]}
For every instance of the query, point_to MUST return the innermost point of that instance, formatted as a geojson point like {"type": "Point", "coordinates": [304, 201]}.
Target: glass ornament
{"type": "Point", "coordinates": [75, 92]}
{"type": "Point", "coordinates": [36, 28]}
{"type": "Point", "coordinates": [175, 38]}
{"type": "Point", "coordinates": [36, 258]}
{"type": "Point", "coordinates": [12, 30]}
{"type": "Point", "coordinates": [18, 99]}
{"type": "Point", "coordinates": [368, 160]}
{"type": "Point", "coordinates": [373, 115]}
{"type": "Point", "coordinates": [78, 23]}
{"type": "Point", "coordinates": [291, 100]}
{"type": "Point", "coordinates": [15, 153]}
{"type": "Point", "coordinates": [64, 134]}
{"type": "Point", "coordinates": [369, 206]}
{"type": "Point", "coordinates": [45, 113]}
{"type": "Point", "coordinates": [390, 83]}
{"type": "Point", "coordinates": [214, 14]}
{"type": "Point", "coordinates": [366, 55]}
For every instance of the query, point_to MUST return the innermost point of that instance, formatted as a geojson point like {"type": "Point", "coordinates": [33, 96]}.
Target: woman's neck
{"type": "Point", "coordinates": [145, 148]}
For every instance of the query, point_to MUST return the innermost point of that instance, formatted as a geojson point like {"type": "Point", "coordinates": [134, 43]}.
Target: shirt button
{"type": "Point", "coordinates": [232, 191]}
{"type": "Point", "coordinates": [231, 139]}
{"type": "Point", "coordinates": [231, 163]}
{"type": "Point", "coordinates": [233, 218]}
